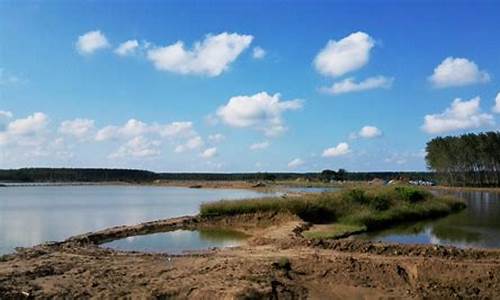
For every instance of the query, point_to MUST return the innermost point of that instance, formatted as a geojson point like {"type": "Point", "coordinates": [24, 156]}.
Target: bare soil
{"type": "Point", "coordinates": [276, 263]}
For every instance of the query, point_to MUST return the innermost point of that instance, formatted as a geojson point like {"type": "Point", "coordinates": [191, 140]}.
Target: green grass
{"type": "Point", "coordinates": [333, 231]}
{"type": "Point", "coordinates": [372, 208]}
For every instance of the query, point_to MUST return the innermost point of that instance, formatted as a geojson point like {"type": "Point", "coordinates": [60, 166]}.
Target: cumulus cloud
{"type": "Point", "coordinates": [216, 138]}
{"type": "Point", "coordinates": [139, 146]}
{"type": "Point", "coordinates": [296, 163]}
{"type": "Point", "coordinates": [460, 115]}
{"type": "Point", "coordinates": [346, 55]}
{"type": "Point", "coordinates": [457, 72]}
{"type": "Point", "coordinates": [210, 57]}
{"type": "Point", "coordinates": [339, 150]}
{"type": "Point", "coordinates": [25, 131]}
{"type": "Point", "coordinates": [6, 114]}
{"type": "Point", "coordinates": [349, 85]}
{"type": "Point", "coordinates": [261, 111]}
{"type": "Point", "coordinates": [177, 129]}
{"type": "Point", "coordinates": [127, 48]}
{"type": "Point", "coordinates": [78, 128]}
{"type": "Point", "coordinates": [209, 153]}
{"type": "Point", "coordinates": [135, 127]}
{"type": "Point", "coordinates": [369, 132]}
{"type": "Point", "coordinates": [91, 41]}
{"type": "Point", "coordinates": [190, 144]}
{"type": "Point", "coordinates": [496, 108]}
{"type": "Point", "coordinates": [259, 146]}
{"type": "Point", "coordinates": [258, 53]}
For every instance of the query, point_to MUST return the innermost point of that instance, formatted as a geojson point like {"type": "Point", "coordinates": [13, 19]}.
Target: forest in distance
{"type": "Point", "coordinates": [466, 160]}
{"type": "Point", "coordinates": [32, 175]}
{"type": "Point", "coordinates": [471, 159]}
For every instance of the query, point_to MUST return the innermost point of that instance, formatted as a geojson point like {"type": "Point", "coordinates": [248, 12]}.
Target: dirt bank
{"type": "Point", "coordinates": [277, 262]}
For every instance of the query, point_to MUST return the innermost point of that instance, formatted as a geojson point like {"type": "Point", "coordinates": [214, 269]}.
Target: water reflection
{"type": "Point", "coordinates": [179, 241]}
{"type": "Point", "coordinates": [32, 215]}
{"type": "Point", "coordinates": [477, 226]}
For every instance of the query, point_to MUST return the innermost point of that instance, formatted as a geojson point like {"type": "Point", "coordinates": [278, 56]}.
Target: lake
{"type": "Point", "coordinates": [476, 226]}
{"type": "Point", "coordinates": [30, 215]}
{"type": "Point", "coordinates": [179, 241]}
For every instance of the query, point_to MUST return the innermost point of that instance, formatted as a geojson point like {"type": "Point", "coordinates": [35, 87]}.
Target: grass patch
{"type": "Point", "coordinates": [333, 231]}
{"type": "Point", "coordinates": [367, 207]}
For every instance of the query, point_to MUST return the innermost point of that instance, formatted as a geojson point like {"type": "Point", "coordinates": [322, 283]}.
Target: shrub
{"type": "Point", "coordinates": [380, 203]}
{"type": "Point", "coordinates": [411, 194]}
{"type": "Point", "coordinates": [356, 196]}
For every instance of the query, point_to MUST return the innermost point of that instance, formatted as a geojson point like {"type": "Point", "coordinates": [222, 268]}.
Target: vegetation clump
{"type": "Point", "coordinates": [369, 208]}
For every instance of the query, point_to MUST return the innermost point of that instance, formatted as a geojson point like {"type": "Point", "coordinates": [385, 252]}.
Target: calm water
{"type": "Point", "coordinates": [477, 226]}
{"type": "Point", "coordinates": [176, 242]}
{"type": "Point", "coordinates": [30, 215]}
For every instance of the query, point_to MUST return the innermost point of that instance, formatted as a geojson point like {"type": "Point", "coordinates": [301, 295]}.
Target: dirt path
{"type": "Point", "coordinates": [276, 263]}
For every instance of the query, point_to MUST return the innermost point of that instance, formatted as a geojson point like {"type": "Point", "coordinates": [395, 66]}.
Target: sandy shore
{"type": "Point", "coordinates": [276, 262]}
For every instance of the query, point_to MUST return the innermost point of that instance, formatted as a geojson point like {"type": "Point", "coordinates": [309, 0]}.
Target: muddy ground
{"type": "Point", "coordinates": [276, 263]}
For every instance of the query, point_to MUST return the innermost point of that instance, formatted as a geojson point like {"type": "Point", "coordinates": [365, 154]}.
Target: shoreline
{"type": "Point", "coordinates": [276, 261]}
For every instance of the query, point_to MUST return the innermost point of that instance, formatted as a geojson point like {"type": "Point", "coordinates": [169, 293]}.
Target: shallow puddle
{"type": "Point", "coordinates": [179, 241]}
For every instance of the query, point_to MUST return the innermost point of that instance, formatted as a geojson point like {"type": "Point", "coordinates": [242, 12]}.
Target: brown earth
{"type": "Point", "coordinates": [276, 263]}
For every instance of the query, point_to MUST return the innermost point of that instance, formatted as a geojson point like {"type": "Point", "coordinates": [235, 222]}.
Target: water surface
{"type": "Point", "coordinates": [30, 215]}
{"type": "Point", "coordinates": [476, 226]}
{"type": "Point", "coordinates": [179, 241]}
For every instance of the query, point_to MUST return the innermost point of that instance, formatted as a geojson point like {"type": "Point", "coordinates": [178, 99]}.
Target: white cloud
{"type": "Point", "coordinates": [6, 114]}
{"type": "Point", "coordinates": [139, 146]}
{"type": "Point", "coordinates": [457, 72]}
{"type": "Point", "coordinates": [349, 85]}
{"type": "Point", "coordinates": [460, 115]}
{"type": "Point", "coordinates": [261, 111]}
{"type": "Point", "coordinates": [369, 132]}
{"type": "Point", "coordinates": [339, 150]}
{"type": "Point", "coordinates": [25, 131]}
{"type": "Point", "coordinates": [127, 48]}
{"type": "Point", "coordinates": [78, 128]}
{"type": "Point", "coordinates": [295, 163]}
{"type": "Point", "coordinates": [209, 153]}
{"type": "Point", "coordinates": [258, 53]}
{"type": "Point", "coordinates": [496, 108]}
{"type": "Point", "coordinates": [28, 125]}
{"type": "Point", "coordinates": [259, 146]}
{"type": "Point", "coordinates": [216, 138]}
{"type": "Point", "coordinates": [135, 127]}
{"type": "Point", "coordinates": [191, 144]}
{"type": "Point", "coordinates": [346, 55]}
{"type": "Point", "coordinates": [91, 41]}
{"type": "Point", "coordinates": [9, 79]}
{"type": "Point", "coordinates": [210, 57]}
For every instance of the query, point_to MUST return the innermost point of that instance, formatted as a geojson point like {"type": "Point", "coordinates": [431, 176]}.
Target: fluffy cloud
{"type": "Point", "coordinates": [346, 55]}
{"type": "Point", "coordinates": [261, 111]}
{"type": "Point", "coordinates": [369, 132]}
{"type": "Point", "coordinates": [349, 85]}
{"type": "Point", "coordinates": [460, 115]}
{"type": "Point", "coordinates": [457, 72]}
{"type": "Point", "coordinates": [339, 150]}
{"type": "Point", "coordinates": [190, 144]}
{"type": "Point", "coordinates": [258, 53]}
{"type": "Point", "coordinates": [295, 163]}
{"type": "Point", "coordinates": [127, 48]}
{"type": "Point", "coordinates": [210, 57]}
{"type": "Point", "coordinates": [139, 146]}
{"type": "Point", "coordinates": [209, 153]}
{"type": "Point", "coordinates": [25, 131]}
{"type": "Point", "coordinates": [216, 138]}
{"type": "Point", "coordinates": [78, 128]}
{"type": "Point", "coordinates": [91, 41]}
{"type": "Point", "coordinates": [177, 129]}
{"type": "Point", "coordinates": [259, 146]}
{"type": "Point", "coordinates": [496, 108]}
{"type": "Point", "coordinates": [6, 114]}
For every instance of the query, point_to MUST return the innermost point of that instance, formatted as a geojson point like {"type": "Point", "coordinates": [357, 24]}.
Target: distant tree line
{"type": "Point", "coordinates": [138, 176]}
{"type": "Point", "coordinates": [466, 160]}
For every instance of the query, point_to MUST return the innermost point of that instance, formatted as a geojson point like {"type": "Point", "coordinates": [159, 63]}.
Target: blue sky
{"type": "Point", "coordinates": [247, 86]}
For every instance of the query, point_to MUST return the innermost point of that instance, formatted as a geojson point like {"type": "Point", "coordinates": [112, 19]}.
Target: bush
{"type": "Point", "coordinates": [411, 195]}
{"type": "Point", "coordinates": [356, 196]}
{"type": "Point", "coordinates": [380, 203]}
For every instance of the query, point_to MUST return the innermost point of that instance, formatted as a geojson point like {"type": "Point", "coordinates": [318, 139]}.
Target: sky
{"type": "Point", "coordinates": [243, 86]}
